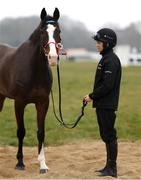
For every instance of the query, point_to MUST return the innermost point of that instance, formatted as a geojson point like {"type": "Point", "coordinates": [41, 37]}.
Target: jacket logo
{"type": "Point", "coordinates": [99, 66]}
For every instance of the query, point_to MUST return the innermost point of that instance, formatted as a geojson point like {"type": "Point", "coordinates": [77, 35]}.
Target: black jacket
{"type": "Point", "coordinates": [107, 82]}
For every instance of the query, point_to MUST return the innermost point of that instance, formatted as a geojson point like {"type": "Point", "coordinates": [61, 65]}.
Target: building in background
{"type": "Point", "coordinates": [82, 54]}
{"type": "Point", "coordinates": [127, 55]}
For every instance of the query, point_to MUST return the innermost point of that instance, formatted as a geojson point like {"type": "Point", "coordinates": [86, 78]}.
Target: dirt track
{"type": "Point", "coordinates": [72, 161]}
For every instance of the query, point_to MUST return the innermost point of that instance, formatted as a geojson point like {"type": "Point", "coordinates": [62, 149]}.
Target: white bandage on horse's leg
{"type": "Point", "coordinates": [41, 159]}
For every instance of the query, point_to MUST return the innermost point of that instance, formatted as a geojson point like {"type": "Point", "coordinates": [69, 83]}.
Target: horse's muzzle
{"type": "Point", "coordinates": [52, 60]}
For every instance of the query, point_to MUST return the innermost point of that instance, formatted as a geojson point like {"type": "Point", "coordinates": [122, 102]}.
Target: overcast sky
{"type": "Point", "coordinates": [93, 13]}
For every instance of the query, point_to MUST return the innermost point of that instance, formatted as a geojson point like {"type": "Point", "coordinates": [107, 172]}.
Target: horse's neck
{"type": "Point", "coordinates": [35, 62]}
{"type": "Point", "coordinates": [39, 61]}
{"type": "Point", "coordinates": [35, 39]}
{"type": "Point", "coordinates": [38, 54]}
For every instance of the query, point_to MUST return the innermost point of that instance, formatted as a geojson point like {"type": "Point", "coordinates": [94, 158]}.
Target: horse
{"type": "Point", "coordinates": [26, 77]}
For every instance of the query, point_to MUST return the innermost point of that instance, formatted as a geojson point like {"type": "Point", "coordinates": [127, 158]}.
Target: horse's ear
{"type": "Point", "coordinates": [56, 14]}
{"type": "Point", "coordinates": [43, 14]}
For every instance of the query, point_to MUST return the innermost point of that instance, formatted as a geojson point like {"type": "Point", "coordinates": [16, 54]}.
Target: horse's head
{"type": "Point", "coordinates": [50, 33]}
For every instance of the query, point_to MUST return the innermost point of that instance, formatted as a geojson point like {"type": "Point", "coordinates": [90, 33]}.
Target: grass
{"type": "Point", "coordinates": [77, 81]}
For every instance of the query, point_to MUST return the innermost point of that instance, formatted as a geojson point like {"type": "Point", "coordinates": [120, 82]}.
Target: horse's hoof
{"type": "Point", "coordinates": [20, 167]}
{"type": "Point", "coordinates": [42, 171]}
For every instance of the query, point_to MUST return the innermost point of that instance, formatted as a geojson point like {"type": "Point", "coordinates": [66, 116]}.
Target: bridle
{"type": "Point", "coordinates": [58, 46]}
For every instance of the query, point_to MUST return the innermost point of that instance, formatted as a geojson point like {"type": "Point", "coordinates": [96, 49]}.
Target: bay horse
{"type": "Point", "coordinates": [26, 77]}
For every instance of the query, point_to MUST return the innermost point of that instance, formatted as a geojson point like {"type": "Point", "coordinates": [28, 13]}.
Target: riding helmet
{"type": "Point", "coordinates": [107, 36]}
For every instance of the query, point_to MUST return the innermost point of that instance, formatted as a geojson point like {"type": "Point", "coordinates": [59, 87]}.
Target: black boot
{"type": "Point", "coordinates": [111, 169]}
{"type": "Point", "coordinates": [106, 166]}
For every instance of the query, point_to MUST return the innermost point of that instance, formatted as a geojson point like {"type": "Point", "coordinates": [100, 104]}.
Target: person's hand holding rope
{"type": "Point", "coordinates": [87, 99]}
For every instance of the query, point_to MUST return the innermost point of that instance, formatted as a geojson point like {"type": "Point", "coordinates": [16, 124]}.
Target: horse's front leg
{"type": "Point", "coordinates": [41, 113]}
{"type": "Point", "coordinates": [19, 112]}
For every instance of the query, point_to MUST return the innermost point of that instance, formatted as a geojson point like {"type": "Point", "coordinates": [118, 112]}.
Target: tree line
{"type": "Point", "coordinates": [14, 31]}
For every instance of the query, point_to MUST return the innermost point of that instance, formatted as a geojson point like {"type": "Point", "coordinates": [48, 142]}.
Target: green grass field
{"type": "Point", "coordinates": [77, 80]}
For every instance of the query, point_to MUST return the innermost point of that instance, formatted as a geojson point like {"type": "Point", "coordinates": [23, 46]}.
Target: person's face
{"type": "Point", "coordinates": [99, 46]}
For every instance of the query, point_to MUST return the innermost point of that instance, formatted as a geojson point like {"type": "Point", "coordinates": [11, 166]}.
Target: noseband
{"type": "Point", "coordinates": [59, 47]}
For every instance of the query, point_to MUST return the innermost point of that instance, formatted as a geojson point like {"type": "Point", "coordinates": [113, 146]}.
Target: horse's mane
{"type": "Point", "coordinates": [36, 34]}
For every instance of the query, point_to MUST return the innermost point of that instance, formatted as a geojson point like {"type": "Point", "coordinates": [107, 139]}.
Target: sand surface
{"type": "Point", "coordinates": [72, 161]}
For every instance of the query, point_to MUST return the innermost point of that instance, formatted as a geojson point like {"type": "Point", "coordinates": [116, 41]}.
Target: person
{"type": "Point", "coordinates": [105, 96]}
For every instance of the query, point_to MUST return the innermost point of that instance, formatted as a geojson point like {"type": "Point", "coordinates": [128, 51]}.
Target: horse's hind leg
{"type": "Point", "coordinates": [41, 113]}
{"type": "Point", "coordinates": [19, 112]}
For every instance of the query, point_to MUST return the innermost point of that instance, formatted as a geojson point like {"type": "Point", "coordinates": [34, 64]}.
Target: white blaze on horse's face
{"type": "Point", "coordinates": [52, 56]}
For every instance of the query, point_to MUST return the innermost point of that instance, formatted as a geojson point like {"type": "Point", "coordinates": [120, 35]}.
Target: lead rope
{"type": "Point", "coordinates": [60, 119]}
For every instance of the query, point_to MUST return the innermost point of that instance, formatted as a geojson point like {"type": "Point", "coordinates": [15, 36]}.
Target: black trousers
{"type": "Point", "coordinates": [106, 121]}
